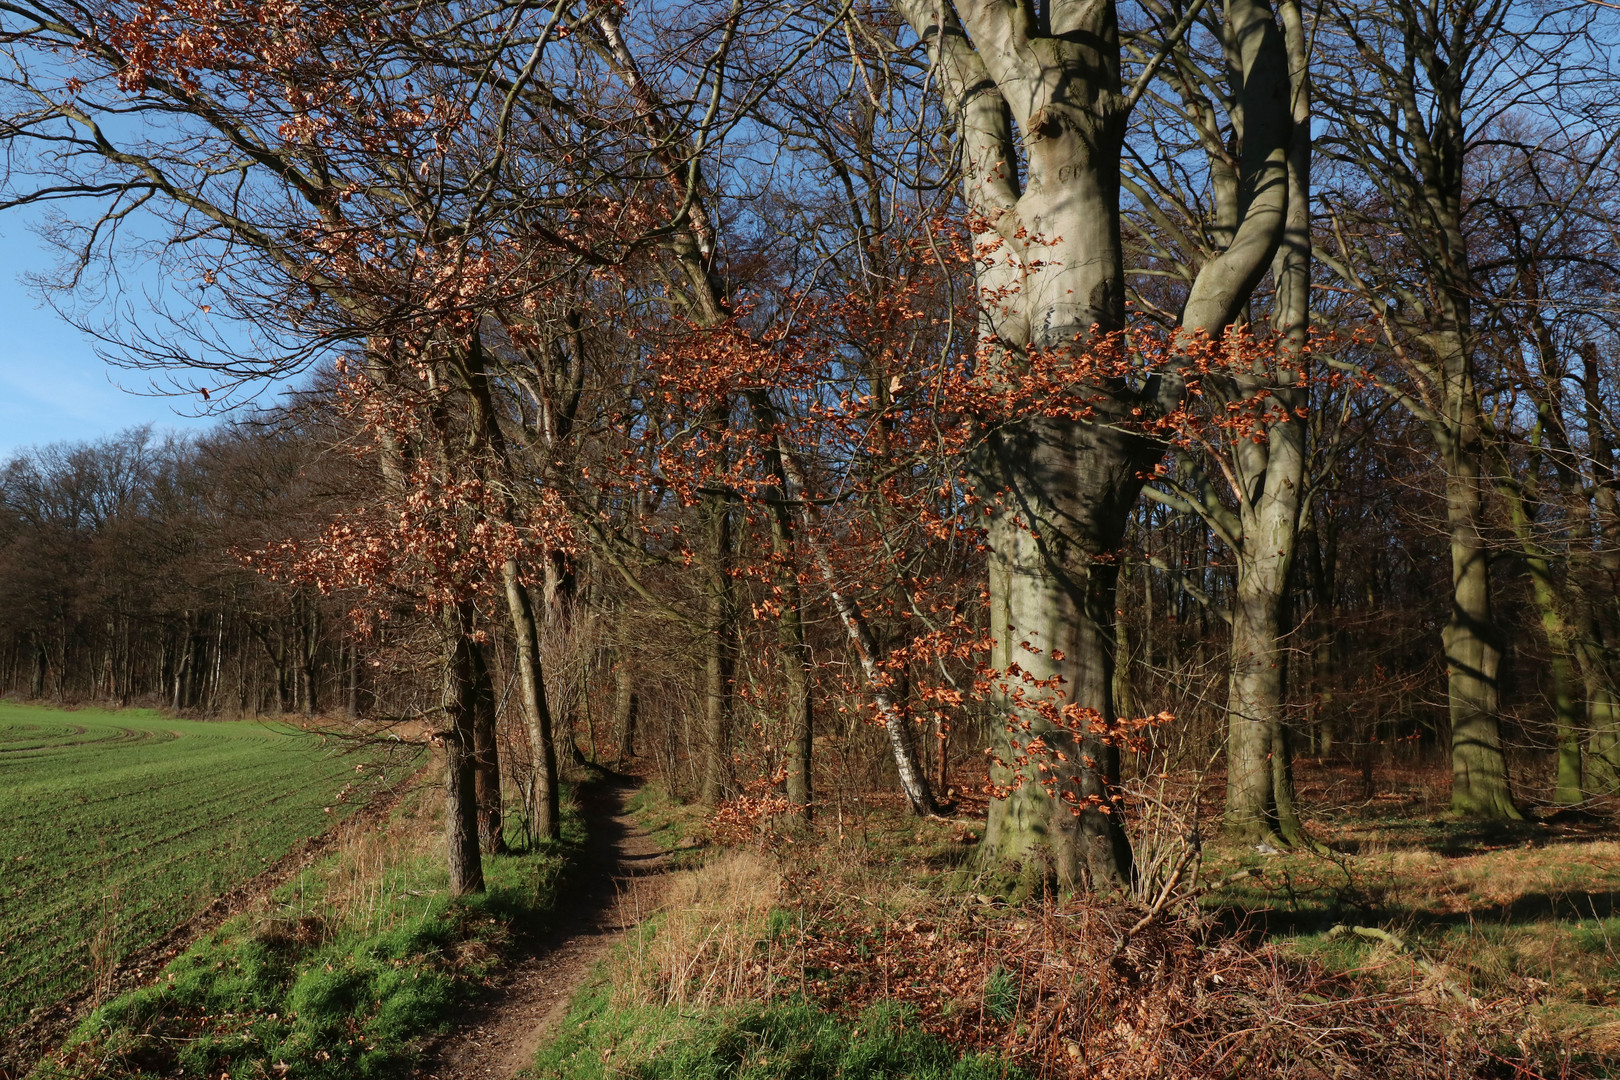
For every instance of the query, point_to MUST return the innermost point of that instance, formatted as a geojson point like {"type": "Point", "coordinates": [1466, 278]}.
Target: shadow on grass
{"type": "Point", "coordinates": [1463, 838]}
{"type": "Point", "coordinates": [1256, 923]}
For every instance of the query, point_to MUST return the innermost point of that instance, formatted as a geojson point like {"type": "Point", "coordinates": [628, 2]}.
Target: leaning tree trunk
{"type": "Point", "coordinates": [896, 723]}
{"type": "Point", "coordinates": [544, 809]}
{"type": "Point", "coordinates": [460, 763]}
{"type": "Point", "coordinates": [545, 814]}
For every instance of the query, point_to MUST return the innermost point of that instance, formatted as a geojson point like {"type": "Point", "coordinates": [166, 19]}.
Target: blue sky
{"type": "Point", "coordinates": [53, 386]}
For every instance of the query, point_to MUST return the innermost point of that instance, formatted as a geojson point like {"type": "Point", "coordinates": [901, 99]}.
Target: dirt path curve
{"type": "Point", "coordinates": [622, 882]}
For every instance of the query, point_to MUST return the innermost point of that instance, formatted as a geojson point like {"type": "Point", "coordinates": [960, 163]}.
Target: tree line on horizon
{"type": "Point", "coordinates": [809, 396]}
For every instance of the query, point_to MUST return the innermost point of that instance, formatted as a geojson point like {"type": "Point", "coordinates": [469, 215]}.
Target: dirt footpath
{"type": "Point", "coordinates": [623, 881]}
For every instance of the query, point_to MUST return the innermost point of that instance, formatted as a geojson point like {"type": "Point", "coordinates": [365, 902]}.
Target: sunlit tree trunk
{"type": "Point", "coordinates": [1420, 58]}
{"type": "Point", "coordinates": [544, 806]}
{"type": "Point", "coordinates": [545, 814]}
{"type": "Point", "coordinates": [1272, 476]}
{"type": "Point", "coordinates": [1051, 278]}
{"type": "Point", "coordinates": [1471, 637]}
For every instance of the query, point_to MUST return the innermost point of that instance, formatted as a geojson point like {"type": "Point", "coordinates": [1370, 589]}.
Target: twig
{"type": "Point", "coordinates": [1424, 965]}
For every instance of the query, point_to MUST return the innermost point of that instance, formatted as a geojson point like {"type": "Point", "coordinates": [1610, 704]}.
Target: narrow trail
{"type": "Point", "coordinates": [622, 882]}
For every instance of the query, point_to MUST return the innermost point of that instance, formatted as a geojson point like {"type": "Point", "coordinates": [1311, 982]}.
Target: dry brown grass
{"type": "Point", "coordinates": [705, 948]}
{"type": "Point", "coordinates": [367, 872]}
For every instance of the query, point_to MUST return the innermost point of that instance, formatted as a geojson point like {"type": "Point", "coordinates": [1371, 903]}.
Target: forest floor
{"type": "Point", "coordinates": [1526, 911]}
{"type": "Point", "coordinates": [620, 883]}
{"type": "Point", "coordinates": [1407, 938]}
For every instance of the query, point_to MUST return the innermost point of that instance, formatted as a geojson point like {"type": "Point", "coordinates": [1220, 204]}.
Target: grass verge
{"type": "Point", "coordinates": [602, 1038]}
{"type": "Point", "coordinates": [344, 972]}
{"type": "Point", "coordinates": [677, 827]}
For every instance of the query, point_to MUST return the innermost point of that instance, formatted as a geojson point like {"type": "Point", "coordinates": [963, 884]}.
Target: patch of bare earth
{"type": "Point", "coordinates": [623, 881]}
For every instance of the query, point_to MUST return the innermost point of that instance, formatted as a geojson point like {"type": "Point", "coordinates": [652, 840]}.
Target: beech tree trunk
{"type": "Point", "coordinates": [1051, 278]}
{"type": "Point", "coordinates": [798, 716]}
{"type": "Point", "coordinates": [486, 756]}
{"type": "Point", "coordinates": [798, 719]}
{"type": "Point", "coordinates": [460, 759]}
{"type": "Point", "coordinates": [1471, 638]}
{"type": "Point", "coordinates": [719, 664]}
{"type": "Point", "coordinates": [1272, 475]}
{"type": "Point", "coordinates": [545, 814]}
{"type": "Point", "coordinates": [1420, 58]}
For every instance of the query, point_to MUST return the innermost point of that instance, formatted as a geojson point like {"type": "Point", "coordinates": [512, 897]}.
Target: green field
{"type": "Point", "coordinates": [116, 827]}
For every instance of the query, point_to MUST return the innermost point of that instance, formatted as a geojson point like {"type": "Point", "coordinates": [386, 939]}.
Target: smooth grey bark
{"type": "Point", "coordinates": [1271, 481]}
{"type": "Point", "coordinates": [545, 812]}
{"type": "Point", "coordinates": [1051, 278]}
{"type": "Point", "coordinates": [1472, 638]}
{"type": "Point", "coordinates": [544, 808]}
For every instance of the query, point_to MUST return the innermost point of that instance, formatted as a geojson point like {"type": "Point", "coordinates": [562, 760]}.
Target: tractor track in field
{"type": "Point", "coordinates": [622, 882]}
{"type": "Point", "coordinates": [34, 1038]}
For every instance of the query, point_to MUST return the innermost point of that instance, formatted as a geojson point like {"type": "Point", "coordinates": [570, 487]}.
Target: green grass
{"type": "Point", "coordinates": [787, 1040]}
{"type": "Point", "coordinates": [322, 988]}
{"type": "Point", "coordinates": [121, 825]}
{"type": "Point", "coordinates": [675, 826]}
